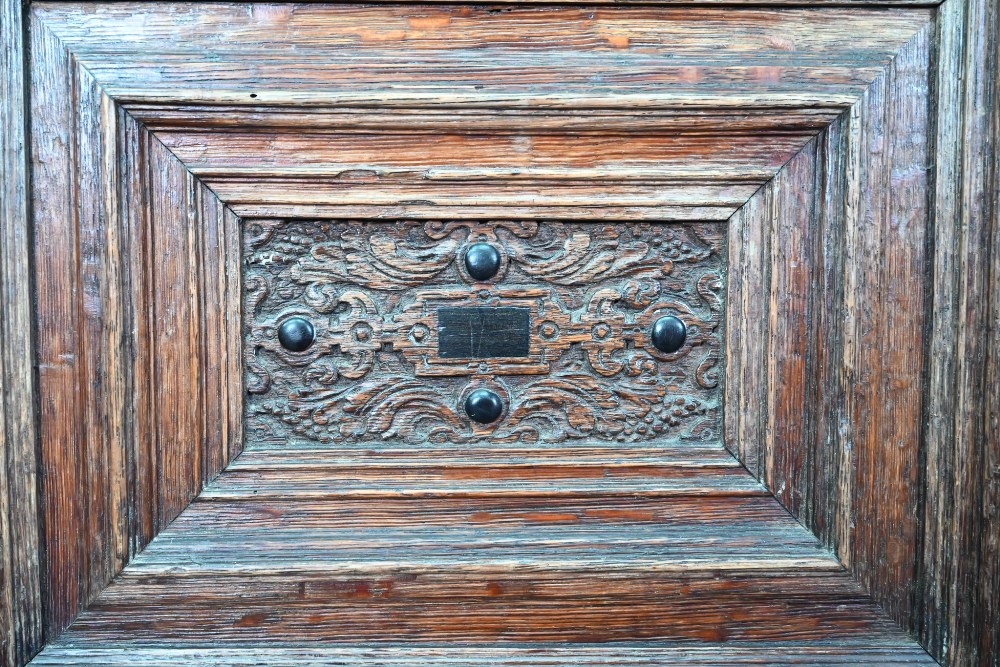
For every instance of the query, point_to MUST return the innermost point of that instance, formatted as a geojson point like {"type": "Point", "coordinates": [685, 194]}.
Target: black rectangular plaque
{"type": "Point", "coordinates": [483, 333]}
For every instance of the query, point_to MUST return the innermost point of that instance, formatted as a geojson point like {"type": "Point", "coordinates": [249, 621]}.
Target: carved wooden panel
{"type": "Point", "coordinates": [375, 293]}
{"type": "Point", "coordinates": [846, 147]}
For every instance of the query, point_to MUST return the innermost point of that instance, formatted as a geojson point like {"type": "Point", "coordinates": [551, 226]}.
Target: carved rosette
{"type": "Point", "coordinates": [375, 373]}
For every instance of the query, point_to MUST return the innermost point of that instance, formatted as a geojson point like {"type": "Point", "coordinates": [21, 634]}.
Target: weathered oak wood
{"type": "Point", "coordinates": [130, 252]}
{"type": "Point", "coordinates": [588, 569]}
{"type": "Point", "coordinates": [836, 359]}
{"type": "Point", "coordinates": [877, 430]}
{"type": "Point", "coordinates": [20, 558]}
{"type": "Point", "coordinates": [959, 565]}
{"type": "Point", "coordinates": [634, 113]}
{"type": "Point", "coordinates": [889, 652]}
{"type": "Point", "coordinates": [398, 471]}
{"type": "Point", "coordinates": [377, 297]}
{"type": "Point", "coordinates": [862, 356]}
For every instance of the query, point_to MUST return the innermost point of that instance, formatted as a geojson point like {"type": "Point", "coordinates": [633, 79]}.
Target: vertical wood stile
{"type": "Point", "coordinates": [793, 228]}
{"type": "Point", "coordinates": [827, 344]}
{"type": "Point", "coordinates": [747, 327]}
{"type": "Point", "coordinates": [960, 574]}
{"type": "Point", "coordinates": [988, 593]}
{"type": "Point", "coordinates": [885, 396]}
{"type": "Point", "coordinates": [20, 558]}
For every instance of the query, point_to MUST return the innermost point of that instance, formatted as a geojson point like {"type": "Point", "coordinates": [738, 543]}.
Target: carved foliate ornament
{"type": "Point", "coordinates": [380, 297]}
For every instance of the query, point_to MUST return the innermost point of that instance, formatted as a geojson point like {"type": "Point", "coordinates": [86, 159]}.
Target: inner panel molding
{"type": "Point", "coordinates": [395, 350]}
{"type": "Point", "coordinates": [847, 146]}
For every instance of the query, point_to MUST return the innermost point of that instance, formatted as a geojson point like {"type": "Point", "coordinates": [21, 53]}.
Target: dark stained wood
{"type": "Point", "coordinates": [862, 363]}
{"type": "Point", "coordinates": [835, 358]}
{"type": "Point", "coordinates": [20, 558]}
{"type": "Point", "coordinates": [960, 562]}
{"type": "Point", "coordinates": [473, 332]}
{"type": "Point", "coordinates": [378, 294]}
{"type": "Point", "coordinates": [136, 279]}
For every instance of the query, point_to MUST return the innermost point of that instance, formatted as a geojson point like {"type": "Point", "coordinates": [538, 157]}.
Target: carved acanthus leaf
{"type": "Point", "coordinates": [375, 374]}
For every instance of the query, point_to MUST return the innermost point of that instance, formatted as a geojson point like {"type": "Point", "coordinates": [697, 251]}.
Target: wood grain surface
{"type": "Point", "coordinates": [634, 113]}
{"type": "Point", "coordinates": [20, 565]}
{"type": "Point", "coordinates": [836, 353]}
{"type": "Point", "coordinates": [828, 654]}
{"type": "Point", "coordinates": [877, 431]}
{"type": "Point", "coordinates": [847, 151]}
{"type": "Point", "coordinates": [375, 293]}
{"type": "Point", "coordinates": [447, 568]}
{"type": "Point", "coordinates": [135, 262]}
{"type": "Point", "coordinates": [959, 561]}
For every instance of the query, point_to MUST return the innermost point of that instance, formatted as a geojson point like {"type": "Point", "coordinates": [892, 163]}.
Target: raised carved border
{"type": "Point", "coordinates": [940, 454]}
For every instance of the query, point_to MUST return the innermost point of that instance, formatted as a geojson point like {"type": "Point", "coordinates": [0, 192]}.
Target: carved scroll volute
{"type": "Point", "coordinates": [590, 294]}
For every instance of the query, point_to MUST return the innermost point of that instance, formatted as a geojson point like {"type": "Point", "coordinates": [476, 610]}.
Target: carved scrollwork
{"type": "Point", "coordinates": [375, 373]}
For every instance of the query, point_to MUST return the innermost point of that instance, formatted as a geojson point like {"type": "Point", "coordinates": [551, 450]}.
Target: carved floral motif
{"type": "Point", "coordinates": [372, 291]}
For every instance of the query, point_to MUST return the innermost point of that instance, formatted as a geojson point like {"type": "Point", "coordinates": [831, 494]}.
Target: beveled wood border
{"type": "Point", "coordinates": [833, 355]}
{"type": "Point", "coordinates": [136, 277]}
{"type": "Point", "coordinates": [949, 600]}
{"type": "Point", "coordinates": [884, 442]}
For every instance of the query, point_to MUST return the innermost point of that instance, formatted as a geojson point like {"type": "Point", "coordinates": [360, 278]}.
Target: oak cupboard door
{"type": "Point", "coordinates": [523, 334]}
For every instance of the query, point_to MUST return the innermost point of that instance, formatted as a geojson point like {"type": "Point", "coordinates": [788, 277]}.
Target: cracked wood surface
{"type": "Point", "coordinates": [860, 211]}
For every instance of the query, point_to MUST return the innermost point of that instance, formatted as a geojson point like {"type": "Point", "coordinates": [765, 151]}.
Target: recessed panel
{"type": "Point", "coordinates": [559, 330]}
